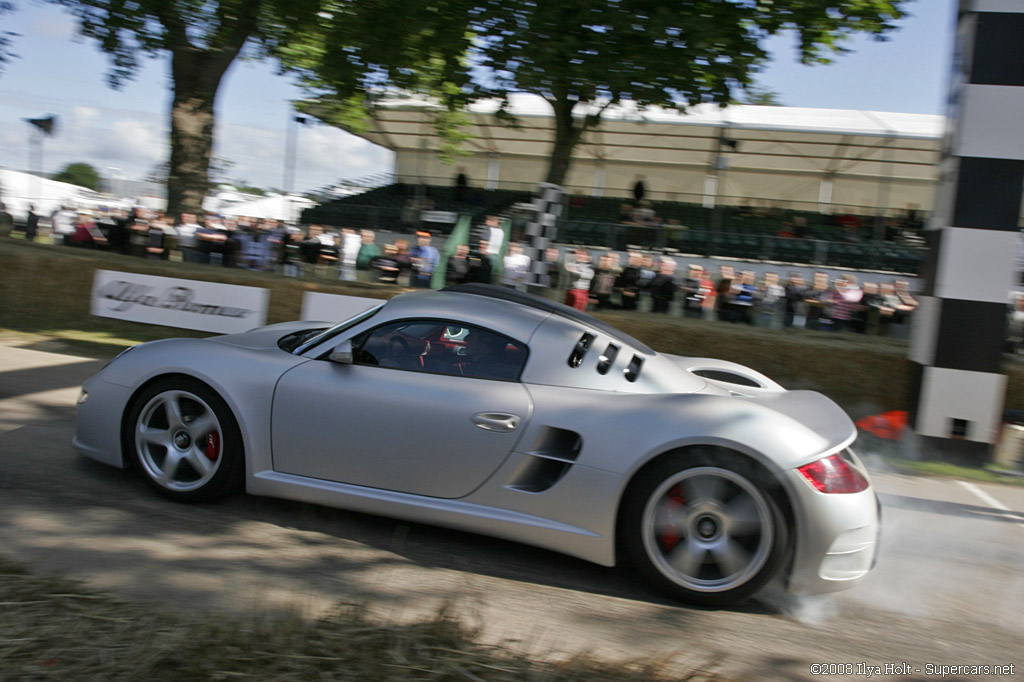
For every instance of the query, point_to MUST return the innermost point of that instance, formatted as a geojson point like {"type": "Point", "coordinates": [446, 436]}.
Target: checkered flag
{"type": "Point", "coordinates": [542, 230]}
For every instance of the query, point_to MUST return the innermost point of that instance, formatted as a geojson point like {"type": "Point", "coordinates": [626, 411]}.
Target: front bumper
{"type": "Point", "coordinates": [98, 429]}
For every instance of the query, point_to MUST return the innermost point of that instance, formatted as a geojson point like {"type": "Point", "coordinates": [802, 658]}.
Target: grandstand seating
{"type": "Point", "coordinates": [725, 231]}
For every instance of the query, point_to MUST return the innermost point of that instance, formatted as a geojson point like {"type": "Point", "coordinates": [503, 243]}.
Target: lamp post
{"type": "Point", "coordinates": [41, 127]}
{"type": "Point", "coordinates": [291, 145]}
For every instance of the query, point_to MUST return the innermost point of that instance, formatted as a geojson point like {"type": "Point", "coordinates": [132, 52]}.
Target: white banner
{"type": "Point", "coordinates": [334, 307]}
{"type": "Point", "coordinates": [439, 216]}
{"type": "Point", "coordinates": [182, 303]}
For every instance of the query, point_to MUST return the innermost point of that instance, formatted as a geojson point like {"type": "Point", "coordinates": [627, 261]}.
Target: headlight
{"type": "Point", "coordinates": [82, 397]}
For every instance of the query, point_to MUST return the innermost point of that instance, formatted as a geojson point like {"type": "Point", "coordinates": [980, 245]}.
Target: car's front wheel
{"type": "Point", "coordinates": [185, 440]}
{"type": "Point", "coordinates": [704, 528]}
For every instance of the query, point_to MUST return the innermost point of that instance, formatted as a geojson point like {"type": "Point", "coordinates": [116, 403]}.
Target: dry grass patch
{"type": "Point", "coordinates": [56, 629]}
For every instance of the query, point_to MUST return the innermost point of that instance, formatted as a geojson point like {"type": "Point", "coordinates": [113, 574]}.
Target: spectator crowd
{"type": "Point", "coordinates": [644, 282]}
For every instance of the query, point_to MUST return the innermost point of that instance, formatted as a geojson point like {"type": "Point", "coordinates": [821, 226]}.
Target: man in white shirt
{"type": "Point", "coordinates": [187, 240]}
{"type": "Point", "coordinates": [515, 267]}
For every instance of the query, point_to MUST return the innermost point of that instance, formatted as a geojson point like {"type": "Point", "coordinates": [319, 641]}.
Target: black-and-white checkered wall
{"type": "Point", "coordinates": [542, 230]}
{"type": "Point", "coordinates": [957, 389]}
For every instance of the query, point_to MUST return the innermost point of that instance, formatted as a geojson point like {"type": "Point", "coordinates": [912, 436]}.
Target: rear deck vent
{"type": "Point", "coordinates": [632, 372]}
{"type": "Point", "coordinates": [604, 363]}
{"type": "Point", "coordinates": [727, 377]}
{"type": "Point", "coordinates": [580, 350]}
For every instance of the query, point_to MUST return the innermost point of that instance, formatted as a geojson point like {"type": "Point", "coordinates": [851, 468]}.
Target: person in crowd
{"type": "Point", "coordinates": [6, 221]}
{"type": "Point", "coordinates": [351, 242]}
{"type": "Point", "coordinates": [86, 233]}
{"type": "Point", "coordinates": [556, 278]}
{"type": "Point", "coordinates": [403, 257]}
{"type": "Point", "coordinates": [158, 239]}
{"type": "Point", "coordinates": [771, 302]}
{"type": "Point", "coordinates": [492, 235]}
{"type": "Point", "coordinates": [844, 300]}
{"type": "Point", "coordinates": [64, 221]}
{"type": "Point", "coordinates": [903, 292]}
{"type": "Point", "coordinates": [875, 315]}
{"type": "Point", "coordinates": [515, 267]}
{"type": "Point", "coordinates": [796, 307]}
{"type": "Point", "coordinates": [386, 265]}
{"type": "Point", "coordinates": [187, 240]}
{"type": "Point", "coordinates": [31, 224]}
{"type": "Point", "coordinates": [603, 285]}
{"type": "Point", "coordinates": [628, 281]}
{"type": "Point", "coordinates": [693, 293]}
{"type": "Point", "coordinates": [138, 232]}
{"type": "Point", "coordinates": [481, 268]}
{"type": "Point", "coordinates": [743, 297]}
{"type": "Point", "coordinates": [707, 289]}
{"type": "Point", "coordinates": [457, 268]}
{"type": "Point", "coordinates": [580, 273]}
{"type": "Point", "coordinates": [817, 302]}
{"type": "Point", "coordinates": [425, 259]}
{"type": "Point", "coordinates": [648, 270]}
{"type": "Point", "coordinates": [663, 286]}
{"type": "Point", "coordinates": [367, 252]}
{"type": "Point", "coordinates": [212, 238]}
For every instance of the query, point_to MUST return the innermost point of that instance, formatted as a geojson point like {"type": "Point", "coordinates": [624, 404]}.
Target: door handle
{"type": "Point", "coordinates": [496, 421]}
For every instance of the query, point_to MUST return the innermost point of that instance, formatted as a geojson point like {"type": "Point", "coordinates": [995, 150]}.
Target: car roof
{"type": "Point", "coordinates": [548, 306]}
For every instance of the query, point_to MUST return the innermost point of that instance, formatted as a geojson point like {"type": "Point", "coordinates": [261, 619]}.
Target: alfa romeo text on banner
{"type": "Point", "coordinates": [182, 303]}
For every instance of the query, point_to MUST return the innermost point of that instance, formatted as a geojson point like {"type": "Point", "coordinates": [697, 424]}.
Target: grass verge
{"type": "Point", "coordinates": [56, 629]}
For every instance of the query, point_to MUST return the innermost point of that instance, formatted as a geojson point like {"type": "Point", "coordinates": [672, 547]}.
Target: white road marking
{"type": "Point", "coordinates": [993, 502]}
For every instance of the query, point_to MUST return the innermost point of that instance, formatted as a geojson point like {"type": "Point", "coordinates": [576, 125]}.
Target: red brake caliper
{"type": "Point", "coordinates": [212, 446]}
{"type": "Point", "coordinates": [669, 536]}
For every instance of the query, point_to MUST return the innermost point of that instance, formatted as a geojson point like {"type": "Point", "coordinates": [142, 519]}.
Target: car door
{"type": "Point", "coordinates": [414, 424]}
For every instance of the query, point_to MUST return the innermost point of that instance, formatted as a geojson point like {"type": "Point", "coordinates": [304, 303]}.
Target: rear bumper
{"type": "Point", "coordinates": [837, 537]}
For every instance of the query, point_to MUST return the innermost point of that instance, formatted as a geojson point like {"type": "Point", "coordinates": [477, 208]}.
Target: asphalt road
{"type": "Point", "coordinates": [948, 589]}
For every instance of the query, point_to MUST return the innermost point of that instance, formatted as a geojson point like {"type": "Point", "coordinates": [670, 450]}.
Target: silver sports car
{"type": "Point", "coordinates": [499, 412]}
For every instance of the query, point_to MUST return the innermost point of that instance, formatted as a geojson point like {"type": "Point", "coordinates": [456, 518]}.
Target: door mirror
{"type": "Point", "coordinates": [342, 353]}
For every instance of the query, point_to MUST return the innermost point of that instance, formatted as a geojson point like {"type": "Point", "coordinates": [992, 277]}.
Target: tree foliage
{"type": "Point", "coordinates": [6, 37]}
{"type": "Point", "coordinates": [602, 52]}
{"type": "Point", "coordinates": [202, 39]}
{"type": "Point", "coordinates": [81, 174]}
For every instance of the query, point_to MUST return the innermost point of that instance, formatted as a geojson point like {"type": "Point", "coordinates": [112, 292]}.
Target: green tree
{"type": "Point", "coordinates": [6, 37]}
{"type": "Point", "coordinates": [81, 174]}
{"type": "Point", "coordinates": [586, 56]}
{"type": "Point", "coordinates": [202, 38]}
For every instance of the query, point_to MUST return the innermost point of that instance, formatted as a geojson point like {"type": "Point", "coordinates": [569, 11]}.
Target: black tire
{"type": "Point", "coordinates": [183, 438]}
{"type": "Point", "coordinates": [704, 525]}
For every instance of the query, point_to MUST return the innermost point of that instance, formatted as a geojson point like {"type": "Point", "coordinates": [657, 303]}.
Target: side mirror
{"type": "Point", "coordinates": [342, 353]}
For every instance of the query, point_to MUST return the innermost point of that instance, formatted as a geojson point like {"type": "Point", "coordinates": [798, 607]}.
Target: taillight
{"type": "Point", "coordinates": [833, 474]}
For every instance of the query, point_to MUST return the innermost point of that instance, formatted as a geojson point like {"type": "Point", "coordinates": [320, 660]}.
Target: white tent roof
{"type": "Point", "coordinates": [286, 207]}
{"type": "Point", "coordinates": [19, 190]}
{"type": "Point", "coordinates": [779, 140]}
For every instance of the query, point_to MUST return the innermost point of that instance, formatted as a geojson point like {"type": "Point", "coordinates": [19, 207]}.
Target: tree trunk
{"type": "Point", "coordinates": [196, 77]}
{"type": "Point", "coordinates": [567, 135]}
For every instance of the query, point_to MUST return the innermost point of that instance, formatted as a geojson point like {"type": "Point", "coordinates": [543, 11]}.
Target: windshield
{"type": "Point", "coordinates": [337, 329]}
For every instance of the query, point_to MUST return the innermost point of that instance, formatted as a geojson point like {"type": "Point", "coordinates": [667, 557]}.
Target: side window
{"type": "Point", "coordinates": [441, 347]}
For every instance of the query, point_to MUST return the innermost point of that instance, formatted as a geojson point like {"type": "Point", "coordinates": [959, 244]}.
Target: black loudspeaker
{"type": "Point", "coordinates": [47, 125]}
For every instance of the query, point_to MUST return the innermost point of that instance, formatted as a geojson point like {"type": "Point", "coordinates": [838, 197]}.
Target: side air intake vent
{"type": "Point", "coordinates": [554, 452]}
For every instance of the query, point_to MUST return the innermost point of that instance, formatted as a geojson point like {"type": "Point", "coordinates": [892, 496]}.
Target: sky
{"type": "Point", "coordinates": [125, 132]}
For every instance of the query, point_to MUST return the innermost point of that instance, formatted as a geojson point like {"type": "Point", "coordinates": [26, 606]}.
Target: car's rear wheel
{"type": "Point", "coordinates": [185, 440]}
{"type": "Point", "coordinates": [704, 528]}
